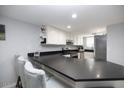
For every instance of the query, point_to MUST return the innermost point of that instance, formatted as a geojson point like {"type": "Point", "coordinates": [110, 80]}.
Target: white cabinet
{"type": "Point", "coordinates": [59, 37]}
{"type": "Point", "coordinates": [76, 38]}
{"type": "Point", "coordinates": [51, 36]}
{"type": "Point", "coordinates": [55, 36]}
{"type": "Point", "coordinates": [80, 40]}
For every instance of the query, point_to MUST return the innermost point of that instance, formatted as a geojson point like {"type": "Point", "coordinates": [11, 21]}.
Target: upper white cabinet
{"type": "Point", "coordinates": [77, 39]}
{"type": "Point", "coordinates": [61, 37]}
{"type": "Point", "coordinates": [55, 36]}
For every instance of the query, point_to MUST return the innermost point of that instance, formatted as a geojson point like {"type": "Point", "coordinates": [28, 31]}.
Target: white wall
{"type": "Point", "coordinates": [21, 38]}
{"type": "Point", "coordinates": [115, 43]}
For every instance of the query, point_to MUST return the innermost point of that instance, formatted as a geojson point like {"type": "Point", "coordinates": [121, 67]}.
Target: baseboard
{"type": "Point", "coordinates": [13, 85]}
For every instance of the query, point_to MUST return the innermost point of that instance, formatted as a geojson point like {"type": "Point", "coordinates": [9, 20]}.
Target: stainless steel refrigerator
{"type": "Point", "coordinates": [100, 47]}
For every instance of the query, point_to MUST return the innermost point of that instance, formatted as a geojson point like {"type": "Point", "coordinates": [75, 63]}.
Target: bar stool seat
{"type": "Point", "coordinates": [34, 78]}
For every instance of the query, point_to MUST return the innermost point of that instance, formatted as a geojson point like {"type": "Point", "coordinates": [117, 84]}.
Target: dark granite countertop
{"type": "Point", "coordinates": [82, 69]}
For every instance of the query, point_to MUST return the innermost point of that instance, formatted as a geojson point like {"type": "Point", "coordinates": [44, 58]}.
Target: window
{"type": "Point", "coordinates": [90, 42]}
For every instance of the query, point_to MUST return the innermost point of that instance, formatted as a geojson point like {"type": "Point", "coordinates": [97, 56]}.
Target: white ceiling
{"type": "Point", "coordinates": [89, 18]}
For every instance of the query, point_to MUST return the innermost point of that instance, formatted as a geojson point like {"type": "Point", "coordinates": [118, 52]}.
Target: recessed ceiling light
{"type": "Point", "coordinates": [98, 75]}
{"type": "Point", "coordinates": [68, 26]}
{"type": "Point", "coordinates": [74, 15]}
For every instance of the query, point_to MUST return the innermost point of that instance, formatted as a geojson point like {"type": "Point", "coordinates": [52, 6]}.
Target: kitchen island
{"type": "Point", "coordinates": [81, 72]}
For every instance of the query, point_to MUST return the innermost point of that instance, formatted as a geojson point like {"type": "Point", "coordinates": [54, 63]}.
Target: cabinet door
{"type": "Point", "coordinates": [78, 40]}
{"type": "Point", "coordinates": [52, 37]}
{"type": "Point", "coordinates": [55, 36]}
{"type": "Point", "coordinates": [61, 37]}
{"type": "Point", "coordinates": [75, 40]}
